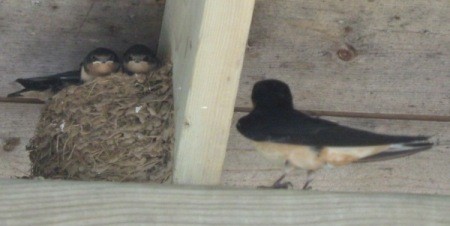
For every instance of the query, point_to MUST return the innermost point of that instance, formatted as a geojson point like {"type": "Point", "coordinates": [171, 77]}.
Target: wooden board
{"type": "Point", "coordinates": [15, 164]}
{"type": "Point", "coordinates": [47, 37]}
{"type": "Point", "coordinates": [425, 172]}
{"type": "Point", "coordinates": [96, 203]}
{"type": "Point", "coordinates": [17, 121]}
{"type": "Point", "coordinates": [402, 62]}
{"type": "Point", "coordinates": [206, 42]}
{"type": "Point", "coordinates": [401, 67]}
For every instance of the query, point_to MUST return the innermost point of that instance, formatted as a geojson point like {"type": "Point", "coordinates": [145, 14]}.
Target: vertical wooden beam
{"type": "Point", "coordinates": [205, 40]}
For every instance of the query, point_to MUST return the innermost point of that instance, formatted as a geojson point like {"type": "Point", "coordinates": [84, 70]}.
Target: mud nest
{"type": "Point", "coordinates": [116, 128]}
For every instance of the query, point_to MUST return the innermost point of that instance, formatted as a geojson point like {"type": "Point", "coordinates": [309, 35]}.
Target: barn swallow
{"type": "Point", "coordinates": [282, 133]}
{"type": "Point", "coordinates": [139, 59]}
{"type": "Point", "coordinates": [99, 62]}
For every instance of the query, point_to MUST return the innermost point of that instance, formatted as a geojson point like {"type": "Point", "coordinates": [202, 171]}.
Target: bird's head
{"type": "Point", "coordinates": [272, 93]}
{"type": "Point", "coordinates": [101, 62]}
{"type": "Point", "coordinates": [139, 59]}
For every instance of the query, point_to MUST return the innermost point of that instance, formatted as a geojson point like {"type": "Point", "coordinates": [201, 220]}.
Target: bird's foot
{"type": "Point", "coordinates": [284, 185]}
{"type": "Point", "coordinates": [306, 187]}
{"type": "Point", "coordinates": [309, 179]}
{"type": "Point", "coordinates": [278, 184]}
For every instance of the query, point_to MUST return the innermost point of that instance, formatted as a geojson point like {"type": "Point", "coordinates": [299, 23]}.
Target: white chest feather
{"type": "Point", "coordinates": [85, 77]}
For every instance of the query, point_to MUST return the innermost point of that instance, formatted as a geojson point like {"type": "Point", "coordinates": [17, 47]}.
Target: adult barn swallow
{"type": "Point", "coordinates": [99, 62]}
{"type": "Point", "coordinates": [282, 133]}
{"type": "Point", "coordinates": [139, 59]}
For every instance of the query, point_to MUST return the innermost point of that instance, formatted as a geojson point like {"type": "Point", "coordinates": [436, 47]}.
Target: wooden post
{"type": "Point", "coordinates": [206, 41]}
{"type": "Point", "coordinates": [28, 202]}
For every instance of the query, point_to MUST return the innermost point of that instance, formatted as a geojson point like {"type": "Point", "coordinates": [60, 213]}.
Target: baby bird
{"type": "Point", "coordinates": [98, 62]}
{"type": "Point", "coordinates": [139, 60]}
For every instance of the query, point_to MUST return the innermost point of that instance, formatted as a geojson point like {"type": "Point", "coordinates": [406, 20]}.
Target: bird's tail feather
{"type": "Point", "coordinates": [33, 83]}
{"type": "Point", "coordinates": [399, 150]}
{"type": "Point", "coordinates": [17, 94]}
{"type": "Point", "coordinates": [38, 82]}
{"type": "Point", "coordinates": [24, 82]}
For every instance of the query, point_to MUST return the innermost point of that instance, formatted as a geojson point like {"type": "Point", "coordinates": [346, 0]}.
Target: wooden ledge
{"type": "Point", "coordinates": [44, 202]}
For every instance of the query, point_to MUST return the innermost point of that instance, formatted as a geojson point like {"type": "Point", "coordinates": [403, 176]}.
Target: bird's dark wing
{"type": "Point", "coordinates": [69, 76]}
{"type": "Point", "coordinates": [51, 82]}
{"type": "Point", "coordinates": [44, 82]}
{"type": "Point", "coordinates": [66, 79]}
{"type": "Point", "coordinates": [294, 127]}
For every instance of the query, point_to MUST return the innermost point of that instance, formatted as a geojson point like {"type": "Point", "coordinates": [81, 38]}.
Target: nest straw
{"type": "Point", "coordinates": [116, 128]}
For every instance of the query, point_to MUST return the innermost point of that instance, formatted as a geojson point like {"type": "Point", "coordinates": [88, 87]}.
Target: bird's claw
{"type": "Point", "coordinates": [278, 185]}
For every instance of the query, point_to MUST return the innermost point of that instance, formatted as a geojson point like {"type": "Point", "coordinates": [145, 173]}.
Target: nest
{"type": "Point", "coordinates": [116, 128]}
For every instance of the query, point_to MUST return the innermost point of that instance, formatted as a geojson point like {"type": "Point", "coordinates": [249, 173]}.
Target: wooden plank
{"type": "Point", "coordinates": [46, 37]}
{"type": "Point", "coordinates": [18, 121]}
{"type": "Point", "coordinates": [206, 41]}
{"type": "Point", "coordinates": [15, 163]}
{"type": "Point", "coordinates": [96, 203]}
{"type": "Point", "coordinates": [19, 100]}
{"type": "Point", "coordinates": [402, 62]}
{"type": "Point", "coordinates": [425, 172]}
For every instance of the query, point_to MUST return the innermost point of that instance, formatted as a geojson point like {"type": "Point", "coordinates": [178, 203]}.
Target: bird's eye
{"type": "Point", "coordinates": [93, 58]}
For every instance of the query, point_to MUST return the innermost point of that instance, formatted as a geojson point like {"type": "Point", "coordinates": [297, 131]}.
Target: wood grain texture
{"type": "Point", "coordinates": [206, 42]}
{"type": "Point", "coordinates": [96, 203]}
{"type": "Point", "coordinates": [425, 172]}
{"type": "Point", "coordinates": [401, 67]}
{"type": "Point", "coordinates": [15, 163]}
{"type": "Point", "coordinates": [17, 120]}
{"type": "Point", "coordinates": [46, 37]}
{"type": "Point", "coordinates": [402, 58]}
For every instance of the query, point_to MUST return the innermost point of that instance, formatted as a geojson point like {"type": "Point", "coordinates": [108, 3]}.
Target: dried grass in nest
{"type": "Point", "coordinates": [117, 128]}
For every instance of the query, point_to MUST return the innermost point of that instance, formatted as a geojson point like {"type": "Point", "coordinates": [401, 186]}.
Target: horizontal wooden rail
{"type": "Point", "coordinates": [435, 118]}
{"type": "Point", "coordinates": [41, 202]}
{"type": "Point", "coordinates": [19, 100]}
